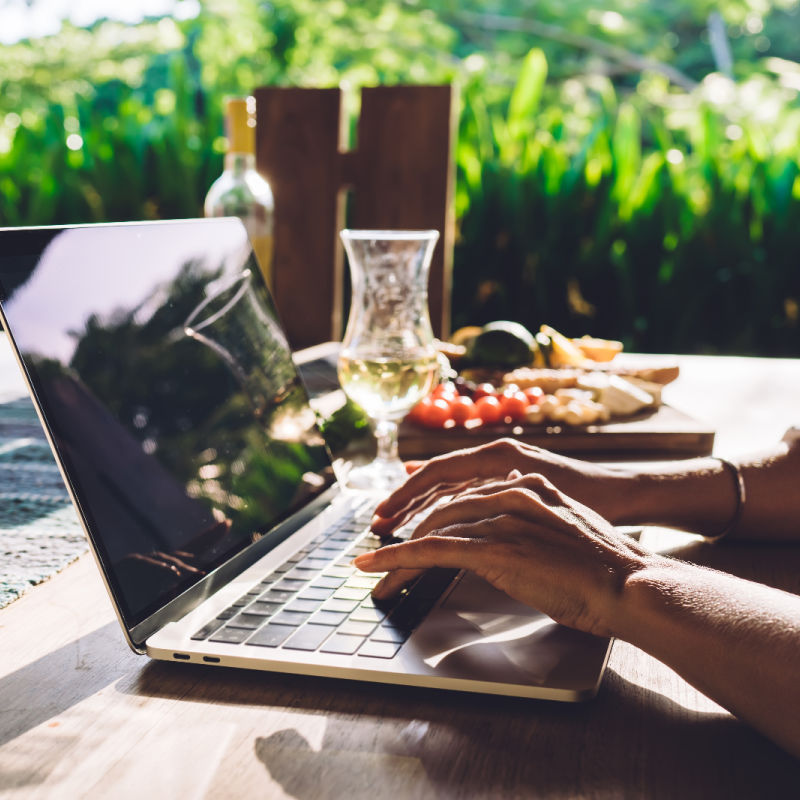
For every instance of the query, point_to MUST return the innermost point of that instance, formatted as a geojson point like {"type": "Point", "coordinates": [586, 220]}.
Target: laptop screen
{"type": "Point", "coordinates": [169, 389]}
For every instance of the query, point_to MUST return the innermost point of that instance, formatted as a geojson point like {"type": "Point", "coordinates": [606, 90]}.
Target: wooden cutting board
{"type": "Point", "coordinates": [665, 431]}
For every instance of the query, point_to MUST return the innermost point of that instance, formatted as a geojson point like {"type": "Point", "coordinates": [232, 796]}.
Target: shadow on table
{"type": "Point", "coordinates": [629, 740]}
{"type": "Point", "coordinates": [51, 685]}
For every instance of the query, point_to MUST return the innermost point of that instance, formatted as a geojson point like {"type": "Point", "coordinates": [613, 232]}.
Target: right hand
{"type": "Point", "coordinates": [591, 484]}
{"type": "Point", "coordinates": [528, 539]}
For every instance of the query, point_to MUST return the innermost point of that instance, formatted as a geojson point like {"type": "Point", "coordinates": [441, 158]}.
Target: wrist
{"type": "Point", "coordinates": [698, 495]}
{"type": "Point", "coordinates": [645, 594]}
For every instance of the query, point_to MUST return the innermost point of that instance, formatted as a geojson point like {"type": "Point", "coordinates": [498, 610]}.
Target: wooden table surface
{"type": "Point", "coordinates": [82, 716]}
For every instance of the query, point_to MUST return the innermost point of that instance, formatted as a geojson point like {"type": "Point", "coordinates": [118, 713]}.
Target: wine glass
{"type": "Point", "coordinates": [388, 359]}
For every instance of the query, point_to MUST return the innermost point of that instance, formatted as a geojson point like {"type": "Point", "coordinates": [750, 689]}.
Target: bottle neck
{"type": "Point", "coordinates": [239, 162]}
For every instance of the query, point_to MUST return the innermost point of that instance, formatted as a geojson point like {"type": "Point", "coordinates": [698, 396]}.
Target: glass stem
{"type": "Point", "coordinates": [386, 437]}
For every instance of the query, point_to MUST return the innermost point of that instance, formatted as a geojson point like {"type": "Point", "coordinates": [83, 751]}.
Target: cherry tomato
{"type": "Point", "coordinates": [446, 390]}
{"type": "Point", "coordinates": [513, 404]}
{"type": "Point", "coordinates": [462, 409]}
{"type": "Point", "coordinates": [488, 409]}
{"type": "Point", "coordinates": [534, 395]}
{"type": "Point", "coordinates": [435, 413]}
{"type": "Point", "coordinates": [417, 412]}
{"type": "Point", "coordinates": [483, 390]}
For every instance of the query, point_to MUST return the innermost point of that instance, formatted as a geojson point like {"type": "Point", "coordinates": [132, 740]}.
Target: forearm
{"type": "Point", "coordinates": [738, 642]}
{"type": "Point", "coordinates": [700, 495]}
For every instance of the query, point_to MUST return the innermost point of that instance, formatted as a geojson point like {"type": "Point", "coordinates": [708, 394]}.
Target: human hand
{"type": "Point", "coordinates": [528, 539]}
{"type": "Point", "coordinates": [592, 484]}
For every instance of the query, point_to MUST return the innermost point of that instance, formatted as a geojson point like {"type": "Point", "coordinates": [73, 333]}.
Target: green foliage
{"type": "Point", "coordinates": [609, 180]}
{"type": "Point", "coordinates": [664, 219]}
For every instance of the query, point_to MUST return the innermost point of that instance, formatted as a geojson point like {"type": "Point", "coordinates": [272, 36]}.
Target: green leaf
{"type": "Point", "coordinates": [527, 93]}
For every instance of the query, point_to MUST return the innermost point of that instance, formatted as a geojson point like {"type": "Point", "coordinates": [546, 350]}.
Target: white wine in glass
{"type": "Point", "coordinates": [388, 360]}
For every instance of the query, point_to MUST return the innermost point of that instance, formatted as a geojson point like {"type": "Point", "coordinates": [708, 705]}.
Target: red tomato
{"type": "Point", "coordinates": [513, 404]}
{"type": "Point", "coordinates": [446, 390]}
{"type": "Point", "coordinates": [488, 409]}
{"type": "Point", "coordinates": [534, 395]}
{"type": "Point", "coordinates": [483, 390]}
{"type": "Point", "coordinates": [417, 411]}
{"type": "Point", "coordinates": [462, 409]}
{"type": "Point", "coordinates": [435, 413]}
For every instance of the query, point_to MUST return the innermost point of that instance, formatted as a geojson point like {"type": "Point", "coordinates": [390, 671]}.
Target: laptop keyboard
{"type": "Point", "coordinates": [316, 600]}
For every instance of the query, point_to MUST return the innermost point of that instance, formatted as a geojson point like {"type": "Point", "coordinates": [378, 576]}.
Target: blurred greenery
{"type": "Point", "coordinates": [630, 170]}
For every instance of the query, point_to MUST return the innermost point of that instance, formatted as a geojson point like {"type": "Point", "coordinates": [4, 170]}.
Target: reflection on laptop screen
{"type": "Point", "coordinates": [170, 392]}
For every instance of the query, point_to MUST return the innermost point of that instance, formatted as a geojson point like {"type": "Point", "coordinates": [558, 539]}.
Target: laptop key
{"type": "Point", "coordinates": [289, 585]}
{"type": "Point", "coordinates": [351, 593]}
{"type": "Point", "coordinates": [341, 570]}
{"type": "Point", "coordinates": [314, 564]}
{"type": "Point", "coordinates": [301, 574]}
{"type": "Point", "coordinates": [342, 644]}
{"type": "Point", "coordinates": [354, 627]}
{"type": "Point", "coordinates": [315, 593]}
{"type": "Point", "coordinates": [208, 629]}
{"type": "Point", "coordinates": [345, 606]}
{"type": "Point", "coordinates": [388, 633]}
{"type": "Point", "coordinates": [327, 582]}
{"type": "Point", "coordinates": [333, 618]}
{"type": "Point", "coordinates": [228, 613]}
{"type": "Point", "coordinates": [271, 635]}
{"type": "Point", "coordinates": [249, 621]}
{"type": "Point", "coordinates": [230, 635]}
{"type": "Point", "coordinates": [364, 614]}
{"type": "Point", "coordinates": [359, 581]}
{"type": "Point", "coordinates": [303, 606]}
{"type": "Point", "coordinates": [309, 637]}
{"type": "Point", "coordinates": [328, 552]}
{"type": "Point", "coordinates": [372, 649]}
{"type": "Point", "coordinates": [293, 618]}
{"type": "Point", "coordinates": [276, 595]}
{"type": "Point", "coordinates": [263, 608]}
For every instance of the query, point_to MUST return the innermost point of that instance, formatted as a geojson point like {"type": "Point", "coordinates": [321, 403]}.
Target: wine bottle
{"type": "Point", "coordinates": [240, 191]}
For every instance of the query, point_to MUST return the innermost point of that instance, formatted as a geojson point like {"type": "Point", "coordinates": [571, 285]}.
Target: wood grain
{"type": "Point", "coordinates": [82, 716]}
{"type": "Point", "coordinates": [664, 432]}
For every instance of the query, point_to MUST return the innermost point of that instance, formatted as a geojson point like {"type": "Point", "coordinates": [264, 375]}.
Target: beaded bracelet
{"type": "Point", "coordinates": [741, 496]}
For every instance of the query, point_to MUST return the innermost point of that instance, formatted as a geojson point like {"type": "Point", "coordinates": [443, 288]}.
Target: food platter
{"type": "Point", "coordinates": [577, 396]}
{"type": "Point", "coordinates": [662, 431]}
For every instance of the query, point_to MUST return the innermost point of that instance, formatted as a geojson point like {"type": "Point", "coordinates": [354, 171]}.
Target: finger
{"type": "Point", "coordinates": [413, 466]}
{"type": "Point", "coordinates": [397, 578]}
{"type": "Point", "coordinates": [481, 462]}
{"type": "Point", "coordinates": [507, 501]}
{"type": "Point", "coordinates": [533, 482]}
{"type": "Point", "coordinates": [421, 554]}
{"type": "Point", "coordinates": [384, 526]}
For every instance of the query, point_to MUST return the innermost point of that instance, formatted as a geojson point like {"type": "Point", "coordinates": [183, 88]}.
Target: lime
{"type": "Point", "coordinates": [502, 344]}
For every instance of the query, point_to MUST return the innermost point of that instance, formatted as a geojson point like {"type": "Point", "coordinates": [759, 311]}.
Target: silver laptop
{"type": "Point", "coordinates": [167, 389]}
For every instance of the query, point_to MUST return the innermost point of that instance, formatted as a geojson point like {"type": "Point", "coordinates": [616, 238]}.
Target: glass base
{"type": "Point", "coordinates": [380, 475]}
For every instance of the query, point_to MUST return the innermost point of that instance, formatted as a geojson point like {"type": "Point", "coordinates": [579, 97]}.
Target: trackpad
{"type": "Point", "coordinates": [480, 632]}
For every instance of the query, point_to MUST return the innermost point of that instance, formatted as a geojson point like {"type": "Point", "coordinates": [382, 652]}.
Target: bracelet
{"type": "Point", "coordinates": [741, 496]}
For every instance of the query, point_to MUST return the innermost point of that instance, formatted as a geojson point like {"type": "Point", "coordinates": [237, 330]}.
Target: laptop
{"type": "Point", "coordinates": [166, 386]}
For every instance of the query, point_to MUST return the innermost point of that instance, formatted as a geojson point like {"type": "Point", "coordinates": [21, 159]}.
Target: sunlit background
{"type": "Point", "coordinates": [30, 20]}
{"type": "Point", "coordinates": [624, 169]}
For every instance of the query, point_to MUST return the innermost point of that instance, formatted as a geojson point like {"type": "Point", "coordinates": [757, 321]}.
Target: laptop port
{"type": "Point", "coordinates": [211, 659]}
{"type": "Point", "coordinates": [181, 656]}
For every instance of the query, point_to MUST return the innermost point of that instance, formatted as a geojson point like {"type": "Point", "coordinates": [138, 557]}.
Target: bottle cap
{"type": "Point", "coordinates": [240, 124]}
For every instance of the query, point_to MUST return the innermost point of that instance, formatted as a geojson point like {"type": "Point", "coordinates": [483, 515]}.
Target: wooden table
{"type": "Point", "coordinates": [81, 716]}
